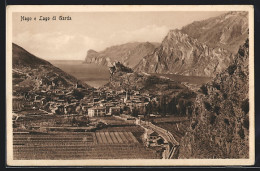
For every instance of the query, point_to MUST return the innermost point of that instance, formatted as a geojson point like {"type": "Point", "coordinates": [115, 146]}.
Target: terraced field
{"type": "Point", "coordinates": [90, 145]}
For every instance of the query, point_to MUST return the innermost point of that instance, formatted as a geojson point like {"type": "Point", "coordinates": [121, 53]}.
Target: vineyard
{"type": "Point", "coordinates": [90, 145]}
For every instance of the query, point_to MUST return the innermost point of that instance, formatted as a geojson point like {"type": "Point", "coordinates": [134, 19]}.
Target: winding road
{"type": "Point", "coordinates": [172, 150]}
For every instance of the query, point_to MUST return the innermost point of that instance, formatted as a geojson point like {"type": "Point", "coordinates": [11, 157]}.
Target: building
{"type": "Point", "coordinates": [114, 110]}
{"type": "Point", "coordinates": [127, 98]}
{"type": "Point", "coordinates": [96, 111]}
{"type": "Point", "coordinates": [153, 138]}
{"type": "Point", "coordinates": [18, 103]}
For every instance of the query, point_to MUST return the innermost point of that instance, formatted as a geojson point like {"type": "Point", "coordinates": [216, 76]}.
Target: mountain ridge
{"type": "Point", "coordinates": [25, 58]}
{"type": "Point", "coordinates": [128, 53]}
{"type": "Point", "coordinates": [181, 54]}
{"type": "Point", "coordinates": [227, 31]}
{"type": "Point", "coordinates": [193, 50]}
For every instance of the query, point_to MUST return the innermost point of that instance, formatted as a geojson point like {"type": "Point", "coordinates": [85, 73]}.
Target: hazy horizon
{"type": "Point", "coordinates": [70, 40]}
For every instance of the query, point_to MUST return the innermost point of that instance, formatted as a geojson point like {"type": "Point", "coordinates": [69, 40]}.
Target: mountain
{"type": "Point", "coordinates": [202, 48]}
{"type": "Point", "coordinates": [29, 72]}
{"type": "Point", "coordinates": [129, 54]}
{"type": "Point", "coordinates": [227, 31]}
{"type": "Point", "coordinates": [220, 120]}
{"type": "Point", "coordinates": [23, 58]}
{"type": "Point", "coordinates": [183, 55]}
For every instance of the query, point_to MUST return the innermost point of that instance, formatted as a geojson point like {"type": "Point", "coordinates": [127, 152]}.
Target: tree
{"type": "Point", "coordinates": [135, 112]}
{"type": "Point", "coordinates": [163, 105]}
{"type": "Point", "coordinates": [78, 94]}
{"type": "Point", "coordinates": [149, 108]}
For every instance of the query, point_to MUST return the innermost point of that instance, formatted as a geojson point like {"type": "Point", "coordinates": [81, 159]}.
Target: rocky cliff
{"type": "Point", "coordinates": [220, 119]}
{"type": "Point", "coordinates": [129, 54]}
{"type": "Point", "coordinates": [228, 31]}
{"type": "Point", "coordinates": [202, 48]}
{"type": "Point", "coordinates": [181, 54]}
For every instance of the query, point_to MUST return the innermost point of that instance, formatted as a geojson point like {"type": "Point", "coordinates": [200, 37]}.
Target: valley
{"type": "Point", "coordinates": [138, 100]}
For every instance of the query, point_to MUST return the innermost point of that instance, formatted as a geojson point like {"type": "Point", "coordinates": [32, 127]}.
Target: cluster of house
{"type": "Point", "coordinates": [109, 102]}
{"type": "Point", "coordinates": [153, 138]}
{"type": "Point", "coordinates": [57, 99]}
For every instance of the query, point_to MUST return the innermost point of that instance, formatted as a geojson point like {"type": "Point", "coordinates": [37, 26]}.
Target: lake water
{"type": "Point", "coordinates": [93, 74]}
{"type": "Point", "coordinates": [98, 75]}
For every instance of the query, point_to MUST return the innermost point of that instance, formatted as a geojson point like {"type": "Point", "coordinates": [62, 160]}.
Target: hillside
{"type": "Point", "coordinates": [183, 55]}
{"type": "Point", "coordinates": [23, 58]}
{"type": "Point", "coordinates": [31, 72]}
{"type": "Point", "coordinates": [220, 120]}
{"type": "Point", "coordinates": [129, 54]}
{"type": "Point", "coordinates": [125, 78]}
{"type": "Point", "coordinates": [203, 48]}
{"type": "Point", "coordinates": [175, 96]}
{"type": "Point", "coordinates": [228, 31]}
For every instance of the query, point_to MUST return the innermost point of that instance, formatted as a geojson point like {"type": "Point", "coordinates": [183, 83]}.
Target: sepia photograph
{"type": "Point", "coordinates": [130, 85]}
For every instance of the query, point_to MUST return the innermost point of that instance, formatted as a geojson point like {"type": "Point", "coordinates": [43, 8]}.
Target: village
{"type": "Point", "coordinates": [49, 106]}
{"type": "Point", "coordinates": [59, 100]}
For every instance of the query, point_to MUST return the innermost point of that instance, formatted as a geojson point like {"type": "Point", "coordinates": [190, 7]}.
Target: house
{"type": "Point", "coordinates": [96, 111]}
{"type": "Point", "coordinates": [152, 138]}
{"type": "Point", "coordinates": [85, 109]}
{"type": "Point", "coordinates": [60, 110]}
{"type": "Point", "coordinates": [114, 110]}
{"type": "Point", "coordinates": [127, 98]}
{"type": "Point", "coordinates": [18, 103]}
{"type": "Point", "coordinates": [95, 100]}
{"type": "Point", "coordinates": [70, 109]}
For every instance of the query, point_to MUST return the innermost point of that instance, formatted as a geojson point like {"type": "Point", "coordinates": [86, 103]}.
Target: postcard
{"type": "Point", "coordinates": [130, 85]}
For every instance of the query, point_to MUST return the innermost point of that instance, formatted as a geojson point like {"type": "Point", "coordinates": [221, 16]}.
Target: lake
{"type": "Point", "coordinates": [93, 74]}
{"type": "Point", "coordinates": [98, 75]}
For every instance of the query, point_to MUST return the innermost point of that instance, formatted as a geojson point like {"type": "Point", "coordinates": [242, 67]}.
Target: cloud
{"type": "Point", "coordinates": [64, 46]}
{"type": "Point", "coordinates": [57, 45]}
{"type": "Point", "coordinates": [151, 33]}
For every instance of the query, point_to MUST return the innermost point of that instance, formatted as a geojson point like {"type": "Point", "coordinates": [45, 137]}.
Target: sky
{"type": "Point", "coordinates": [71, 39]}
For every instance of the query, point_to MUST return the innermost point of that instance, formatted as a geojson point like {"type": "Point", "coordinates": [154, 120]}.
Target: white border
{"type": "Point", "coordinates": [127, 162]}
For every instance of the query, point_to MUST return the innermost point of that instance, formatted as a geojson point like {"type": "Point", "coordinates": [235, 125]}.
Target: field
{"type": "Point", "coordinates": [119, 140]}
{"type": "Point", "coordinates": [91, 145]}
{"type": "Point", "coordinates": [92, 74]}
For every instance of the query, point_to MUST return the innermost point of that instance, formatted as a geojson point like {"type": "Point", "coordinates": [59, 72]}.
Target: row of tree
{"type": "Point", "coordinates": [165, 106]}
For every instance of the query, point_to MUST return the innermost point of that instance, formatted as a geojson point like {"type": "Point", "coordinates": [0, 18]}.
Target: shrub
{"type": "Point", "coordinates": [151, 80]}
{"type": "Point", "coordinates": [78, 94]}
{"type": "Point", "coordinates": [246, 123]}
{"type": "Point", "coordinates": [204, 89]}
{"type": "Point", "coordinates": [212, 119]}
{"type": "Point", "coordinates": [197, 111]}
{"type": "Point", "coordinates": [242, 74]}
{"type": "Point", "coordinates": [207, 106]}
{"type": "Point", "coordinates": [231, 69]}
{"type": "Point", "coordinates": [241, 52]}
{"type": "Point", "coordinates": [216, 109]}
{"type": "Point", "coordinates": [245, 106]}
{"type": "Point", "coordinates": [215, 85]}
{"type": "Point", "coordinates": [225, 95]}
{"type": "Point", "coordinates": [241, 133]}
{"type": "Point", "coordinates": [17, 80]}
{"type": "Point", "coordinates": [194, 124]}
{"type": "Point", "coordinates": [226, 121]}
